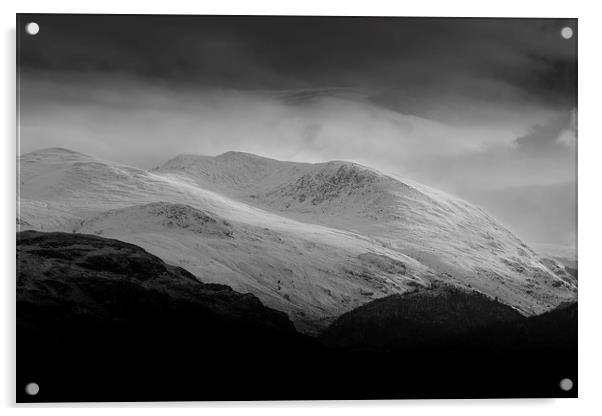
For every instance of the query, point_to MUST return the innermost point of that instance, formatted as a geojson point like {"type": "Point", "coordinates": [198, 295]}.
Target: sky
{"type": "Point", "coordinates": [485, 109]}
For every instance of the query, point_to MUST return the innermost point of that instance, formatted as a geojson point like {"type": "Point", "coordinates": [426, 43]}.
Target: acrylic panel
{"type": "Point", "coordinates": [295, 208]}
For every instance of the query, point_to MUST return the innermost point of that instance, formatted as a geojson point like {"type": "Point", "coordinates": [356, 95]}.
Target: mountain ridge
{"type": "Point", "coordinates": [312, 258]}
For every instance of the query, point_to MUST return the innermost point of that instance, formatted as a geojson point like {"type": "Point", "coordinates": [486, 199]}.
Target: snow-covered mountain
{"type": "Point", "coordinates": [313, 240]}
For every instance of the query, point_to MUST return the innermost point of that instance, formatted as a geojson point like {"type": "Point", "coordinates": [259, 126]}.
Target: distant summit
{"type": "Point", "coordinates": [53, 152]}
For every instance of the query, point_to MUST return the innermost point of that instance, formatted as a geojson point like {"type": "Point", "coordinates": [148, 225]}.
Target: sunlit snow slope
{"type": "Point", "coordinates": [313, 240]}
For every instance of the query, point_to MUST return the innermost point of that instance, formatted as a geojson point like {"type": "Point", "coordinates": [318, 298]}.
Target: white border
{"type": "Point", "coordinates": [590, 202]}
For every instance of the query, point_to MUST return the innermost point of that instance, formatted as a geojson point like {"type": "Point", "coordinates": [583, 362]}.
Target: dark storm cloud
{"type": "Point", "coordinates": [389, 57]}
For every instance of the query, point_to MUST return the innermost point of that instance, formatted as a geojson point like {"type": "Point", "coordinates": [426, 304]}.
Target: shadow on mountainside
{"type": "Point", "coordinates": [103, 320]}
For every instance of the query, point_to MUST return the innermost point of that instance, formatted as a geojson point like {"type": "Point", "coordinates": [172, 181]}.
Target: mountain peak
{"type": "Point", "coordinates": [237, 156]}
{"type": "Point", "coordinates": [56, 152]}
{"type": "Point", "coordinates": [183, 159]}
{"type": "Point", "coordinates": [236, 153]}
{"type": "Point", "coordinates": [186, 160]}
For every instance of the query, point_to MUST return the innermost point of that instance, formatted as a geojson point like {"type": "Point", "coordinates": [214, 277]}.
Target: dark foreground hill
{"type": "Point", "coordinates": [416, 319]}
{"type": "Point", "coordinates": [103, 320]}
{"type": "Point", "coordinates": [464, 339]}
{"type": "Point", "coordinates": [100, 319]}
{"type": "Point", "coordinates": [445, 318]}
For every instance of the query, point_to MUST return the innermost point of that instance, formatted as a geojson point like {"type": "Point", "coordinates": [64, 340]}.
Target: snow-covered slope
{"type": "Point", "coordinates": [447, 234]}
{"type": "Point", "coordinates": [304, 274]}
{"type": "Point", "coordinates": [313, 240]}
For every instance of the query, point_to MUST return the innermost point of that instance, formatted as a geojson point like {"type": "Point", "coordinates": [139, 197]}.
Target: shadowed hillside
{"type": "Point", "coordinates": [449, 339]}
{"type": "Point", "coordinates": [99, 319]}
{"type": "Point", "coordinates": [103, 320]}
{"type": "Point", "coordinates": [416, 319]}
